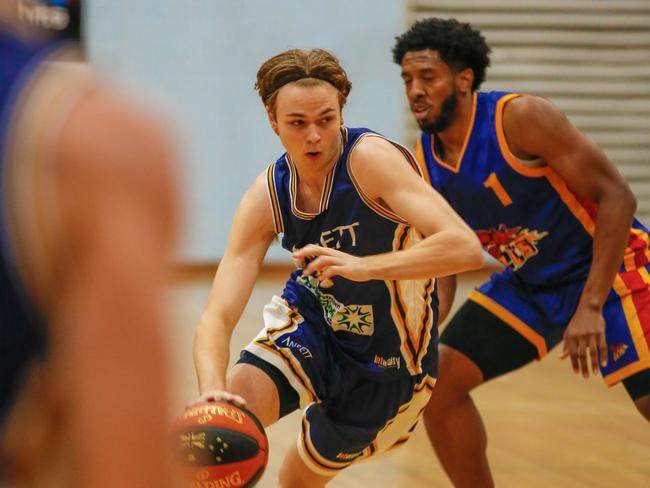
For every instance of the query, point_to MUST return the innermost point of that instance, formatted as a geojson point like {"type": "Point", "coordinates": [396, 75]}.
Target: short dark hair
{"type": "Point", "coordinates": [459, 45]}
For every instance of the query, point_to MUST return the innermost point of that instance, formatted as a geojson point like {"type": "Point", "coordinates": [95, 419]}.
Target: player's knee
{"type": "Point", "coordinates": [643, 406]}
{"type": "Point", "coordinates": [457, 375]}
{"type": "Point", "coordinates": [443, 400]}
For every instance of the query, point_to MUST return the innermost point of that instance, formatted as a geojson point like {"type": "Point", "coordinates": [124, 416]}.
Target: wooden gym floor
{"type": "Point", "coordinates": [546, 426]}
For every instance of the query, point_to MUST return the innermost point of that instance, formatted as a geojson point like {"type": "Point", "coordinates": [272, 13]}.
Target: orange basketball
{"type": "Point", "coordinates": [220, 445]}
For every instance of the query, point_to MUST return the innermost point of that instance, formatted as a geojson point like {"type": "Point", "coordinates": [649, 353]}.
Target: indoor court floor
{"type": "Point", "coordinates": [547, 427]}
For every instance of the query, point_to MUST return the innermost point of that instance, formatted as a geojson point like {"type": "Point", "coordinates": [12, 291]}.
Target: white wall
{"type": "Point", "coordinates": [200, 58]}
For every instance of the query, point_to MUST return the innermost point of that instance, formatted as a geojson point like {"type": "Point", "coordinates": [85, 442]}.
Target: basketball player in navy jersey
{"type": "Point", "coordinates": [547, 203]}
{"type": "Point", "coordinates": [353, 338]}
{"type": "Point", "coordinates": [86, 222]}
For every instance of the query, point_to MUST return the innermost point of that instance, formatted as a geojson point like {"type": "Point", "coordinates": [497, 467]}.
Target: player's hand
{"type": "Point", "coordinates": [325, 263]}
{"type": "Point", "coordinates": [218, 396]}
{"type": "Point", "coordinates": [584, 341]}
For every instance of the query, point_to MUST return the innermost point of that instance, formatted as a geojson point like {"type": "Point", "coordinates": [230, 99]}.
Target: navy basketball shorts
{"type": "Point", "coordinates": [347, 417]}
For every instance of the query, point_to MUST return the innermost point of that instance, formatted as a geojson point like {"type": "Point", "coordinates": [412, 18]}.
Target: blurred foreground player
{"type": "Point", "coordinates": [87, 220]}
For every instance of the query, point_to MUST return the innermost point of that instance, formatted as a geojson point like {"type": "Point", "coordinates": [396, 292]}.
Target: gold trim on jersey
{"type": "Point", "coordinates": [419, 157]}
{"type": "Point", "coordinates": [278, 222]}
{"type": "Point", "coordinates": [455, 168]}
{"type": "Point", "coordinates": [570, 200]}
{"type": "Point", "coordinates": [510, 158]}
{"type": "Point", "coordinates": [328, 184]}
{"type": "Point", "coordinates": [411, 307]}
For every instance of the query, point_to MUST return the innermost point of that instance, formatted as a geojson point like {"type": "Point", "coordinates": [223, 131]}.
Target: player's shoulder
{"type": "Point", "coordinates": [527, 107]}
{"type": "Point", "coordinates": [258, 201]}
{"type": "Point", "coordinates": [372, 149]}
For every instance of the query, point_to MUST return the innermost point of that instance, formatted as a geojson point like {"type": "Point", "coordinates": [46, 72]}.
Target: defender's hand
{"type": "Point", "coordinates": [585, 335]}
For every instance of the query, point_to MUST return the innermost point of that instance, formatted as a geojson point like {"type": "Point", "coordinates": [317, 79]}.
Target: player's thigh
{"type": "Point", "coordinates": [258, 389]}
{"type": "Point", "coordinates": [477, 346]}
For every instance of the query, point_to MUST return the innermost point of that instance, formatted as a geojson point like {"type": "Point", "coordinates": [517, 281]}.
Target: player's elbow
{"type": "Point", "coordinates": [629, 200]}
{"type": "Point", "coordinates": [620, 199]}
{"type": "Point", "coordinates": [214, 325]}
{"type": "Point", "coordinates": [475, 258]}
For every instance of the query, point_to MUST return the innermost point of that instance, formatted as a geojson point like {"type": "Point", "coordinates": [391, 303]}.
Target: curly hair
{"type": "Point", "coordinates": [305, 66]}
{"type": "Point", "coordinates": [459, 45]}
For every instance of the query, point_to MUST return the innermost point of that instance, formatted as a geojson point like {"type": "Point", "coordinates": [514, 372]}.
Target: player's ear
{"type": "Point", "coordinates": [465, 80]}
{"type": "Point", "coordinates": [272, 119]}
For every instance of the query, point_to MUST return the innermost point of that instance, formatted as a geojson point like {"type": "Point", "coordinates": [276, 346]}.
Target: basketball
{"type": "Point", "coordinates": [220, 445]}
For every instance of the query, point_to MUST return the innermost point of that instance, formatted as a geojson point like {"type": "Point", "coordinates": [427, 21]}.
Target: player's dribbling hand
{"type": "Point", "coordinates": [583, 337]}
{"type": "Point", "coordinates": [218, 396]}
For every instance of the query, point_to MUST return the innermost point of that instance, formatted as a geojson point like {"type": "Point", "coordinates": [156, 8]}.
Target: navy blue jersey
{"type": "Point", "coordinates": [385, 327]}
{"type": "Point", "coordinates": [22, 335]}
{"type": "Point", "coordinates": [527, 218]}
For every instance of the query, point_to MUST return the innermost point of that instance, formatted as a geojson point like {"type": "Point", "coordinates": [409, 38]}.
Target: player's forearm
{"type": "Point", "coordinates": [615, 215]}
{"type": "Point", "coordinates": [211, 354]}
{"type": "Point", "coordinates": [442, 254]}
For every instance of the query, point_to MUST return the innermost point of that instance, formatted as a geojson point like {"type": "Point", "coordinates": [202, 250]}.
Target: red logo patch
{"type": "Point", "coordinates": [511, 247]}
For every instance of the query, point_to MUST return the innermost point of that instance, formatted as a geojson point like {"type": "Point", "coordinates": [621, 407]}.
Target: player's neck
{"type": "Point", "coordinates": [311, 179]}
{"type": "Point", "coordinates": [313, 173]}
{"type": "Point", "coordinates": [310, 190]}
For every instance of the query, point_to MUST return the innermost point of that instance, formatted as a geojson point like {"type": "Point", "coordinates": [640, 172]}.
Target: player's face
{"type": "Point", "coordinates": [430, 88]}
{"type": "Point", "coordinates": [308, 121]}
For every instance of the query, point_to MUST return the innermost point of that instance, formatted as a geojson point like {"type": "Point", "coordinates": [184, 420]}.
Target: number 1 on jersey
{"type": "Point", "coordinates": [493, 182]}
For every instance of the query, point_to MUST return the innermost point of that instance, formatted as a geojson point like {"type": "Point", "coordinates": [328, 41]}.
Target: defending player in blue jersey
{"type": "Point", "coordinates": [353, 338]}
{"type": "Point", "coordinates": [547, 203]}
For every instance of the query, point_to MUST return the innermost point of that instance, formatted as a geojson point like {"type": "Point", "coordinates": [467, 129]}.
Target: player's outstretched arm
{"type": "Point", "coordinates": [250, 236]}
{"type": "Point", "coordinates": [534, 128]}
{"type": "Point", "coordinates": [449, 246]}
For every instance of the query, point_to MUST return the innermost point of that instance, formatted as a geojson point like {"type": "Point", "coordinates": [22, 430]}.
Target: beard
{"type": "Point", "coordinates": [444, 119]}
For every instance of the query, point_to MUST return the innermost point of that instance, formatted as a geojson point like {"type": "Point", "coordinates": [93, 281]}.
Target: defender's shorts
{"type": "Point", "coordinates": [541, 314]}
{"type": "Point", "coordinates": [348, 417]}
